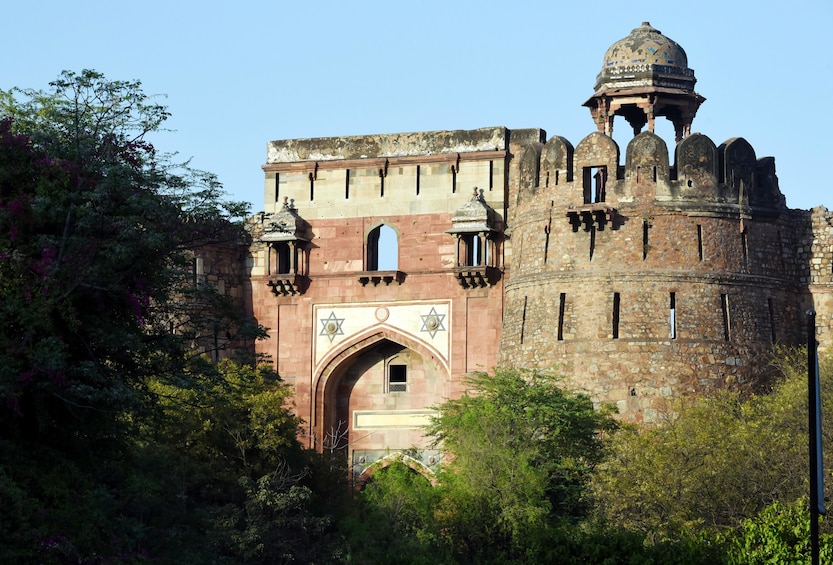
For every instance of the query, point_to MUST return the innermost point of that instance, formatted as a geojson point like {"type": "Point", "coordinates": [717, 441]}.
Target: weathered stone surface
{"type": "Point", "coordinates": [386, 145]}
{"type": "Point", "coordinates": [640, 281]}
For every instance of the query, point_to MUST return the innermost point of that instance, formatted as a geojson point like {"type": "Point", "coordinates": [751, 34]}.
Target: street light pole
{"type": "Point", "coordinates": [814, 421]}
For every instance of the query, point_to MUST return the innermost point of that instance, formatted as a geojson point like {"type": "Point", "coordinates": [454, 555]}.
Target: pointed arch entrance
{"type": "Point", "coordinates": [374, 396]}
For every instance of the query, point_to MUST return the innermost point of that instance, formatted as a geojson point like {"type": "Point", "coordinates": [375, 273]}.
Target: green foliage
{"type": "Point", "coordinates": [722, 460]}
{"type": "Point", "coordinates": [118, 442]}
{"type": "Point", "coordinates": [523, 447]}
{"type": "Point", "coordinates": [522, 450]}
{"type": "Point", "coordinates": [597, 542]}
{"type": "Point", "coordinates": [229, 417]}
{"type": "Point", "coordinates": [95, 234]}
{"type": "Point", "coordinates": [717, 484]}
{"type": "Point", "coordinates": [280, 526]}
{"type": "Point", "coordinates": [232, 449]}
{"type": "Point", "coordinates": [394, 519]}
{"type": "Point", "coordinates": [780, 534]}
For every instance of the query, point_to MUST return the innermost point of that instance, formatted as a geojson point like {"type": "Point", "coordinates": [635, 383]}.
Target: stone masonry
{"type": "Point", "coordinates": [388, 267]}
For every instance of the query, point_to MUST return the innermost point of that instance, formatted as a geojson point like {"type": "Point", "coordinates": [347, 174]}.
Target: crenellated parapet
{"type": "Point", "coordinates": [728, 179]}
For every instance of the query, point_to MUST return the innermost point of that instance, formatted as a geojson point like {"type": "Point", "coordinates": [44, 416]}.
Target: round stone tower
{"type": "Point", "coordinates": [650, 280]}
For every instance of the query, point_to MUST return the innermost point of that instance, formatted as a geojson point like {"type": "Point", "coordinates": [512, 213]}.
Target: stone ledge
{"type": "Point", "coordinates": [381, 277]}
{"type": "Point", "coordinates": [477, 277]}
{"type": "Point", "coordinates": [597, 214]}
{"type": "Point", "coordinates": [288, 285]}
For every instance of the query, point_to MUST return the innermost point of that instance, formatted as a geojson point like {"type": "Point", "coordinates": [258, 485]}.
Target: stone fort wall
{"type": "Point", "coordinates": [640, 282]}
{"type": "Point", "coordinates": [648, 281]}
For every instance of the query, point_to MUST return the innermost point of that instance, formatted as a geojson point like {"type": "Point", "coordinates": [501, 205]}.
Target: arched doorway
{"type": "Point", "coordinates": [418, 467]}
{"type": "Point", "coordinates": [375, 398]}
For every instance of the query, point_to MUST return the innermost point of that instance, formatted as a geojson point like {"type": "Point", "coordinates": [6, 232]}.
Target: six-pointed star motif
{"type": "Point", "coordinates": [331, 326]}
{"type": "Point", "coordinates": [432, 322]}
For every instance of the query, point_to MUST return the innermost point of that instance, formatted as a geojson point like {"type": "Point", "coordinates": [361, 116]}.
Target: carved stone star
{"type": "Point", "coordinates": [432, 322]}
{"type": "Point", "coordinates": [331, 326]}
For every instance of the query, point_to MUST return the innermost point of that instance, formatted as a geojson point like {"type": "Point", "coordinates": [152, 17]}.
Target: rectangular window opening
{"type": "Point", "coordinates": [453, 180]}
{"type": "Point", "coordinates": [397, 378]}
{"type": "Point", "coordinates": [645, 245]}
{"type": "Point", "coordinates": [277, 187]}
{"type": "Point", "coordinates": [562, 301]}
{"type": "Point", "coordinates": [283, 262]}
{"type": "Point", "coordinates": [616, 306]}
{"type": "Point", "coordinates": [198, 271]}
{"type": "Point", "coordinates": [523, 321]}
{"type": "Point", "coordinates": [724, 305]}
{"type": "Point", "coordinates": [744, 248]}
{"type": "Point", "coordinates": [491, 175]}
{"type": "Point", "coordinates": [592, 241]}
{"type": "Point", "coordinates": [347, 185]}
{"type": "Point", "coordinates": [311, 187]}
{"type": "Point", "coordinates": [472, 250]}
{"type": "Point", "coordinates": [700, 242]}
{"type": "Point", "coordinates": [594, 180]}
{"type": "Point", "coordinates": [672, 316]}
{"type": "Point", "coordinates": [417, 179]}
{"type": "Point", "coordinates": [771, 307]}
{"type": "Point", "coordinates": [381, 184]}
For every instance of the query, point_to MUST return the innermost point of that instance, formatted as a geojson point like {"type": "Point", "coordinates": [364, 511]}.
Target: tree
{"type": "Point", "coordinates": [96, 233]}
{"type": "Point", "coordinates": [778, 534]}
{"type": "Point", "coordinates": [233, 462]}
{"type": "Point", "coordinates": [394, 519]}
{"type": "Point", "coordinates": [720, 461]}
{"type": "Point", "coordinates": [522, 453]}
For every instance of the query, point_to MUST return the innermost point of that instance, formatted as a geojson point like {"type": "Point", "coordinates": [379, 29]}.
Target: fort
{"type": "Point", "coordinates": [387, 267]}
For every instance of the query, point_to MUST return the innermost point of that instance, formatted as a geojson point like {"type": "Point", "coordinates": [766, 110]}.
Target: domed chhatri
{"type": "Point", "coordinates": [643, 76]}
{"type": "Point", "coordinates": [646, 44]}
{"type": "Point", "coordinates": [645, 57]}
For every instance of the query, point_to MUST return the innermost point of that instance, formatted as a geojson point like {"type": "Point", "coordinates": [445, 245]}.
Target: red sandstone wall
{"type": "Point", "coordinates": [336, 260]}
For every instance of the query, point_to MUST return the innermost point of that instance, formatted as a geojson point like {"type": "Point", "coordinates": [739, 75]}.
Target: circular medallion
{"type": "Point", "coordinates": [382, 314]}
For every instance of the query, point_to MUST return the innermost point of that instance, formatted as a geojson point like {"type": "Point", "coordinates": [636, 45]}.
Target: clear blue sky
{"type": "Point", "coordinates": [238, 74]}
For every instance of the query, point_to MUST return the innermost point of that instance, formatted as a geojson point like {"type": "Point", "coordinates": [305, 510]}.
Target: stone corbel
{"type": "Point", "coordinates": [386, 278]}
{"type": "Point", "coordinates": [592, 214]}
{"type": "Point", "coordinates": [288, 285]}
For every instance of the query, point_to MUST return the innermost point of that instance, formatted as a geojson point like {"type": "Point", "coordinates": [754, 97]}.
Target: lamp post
{"type": "Point", "coordinates": [814, 417]}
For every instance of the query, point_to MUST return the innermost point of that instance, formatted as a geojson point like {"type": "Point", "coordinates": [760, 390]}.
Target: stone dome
{"type": "Point", "coordinates": [645, 58]}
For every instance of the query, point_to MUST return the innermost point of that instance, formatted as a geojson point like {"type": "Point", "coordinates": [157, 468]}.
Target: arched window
{"type": "Point", "coordinates": [382, 249]}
